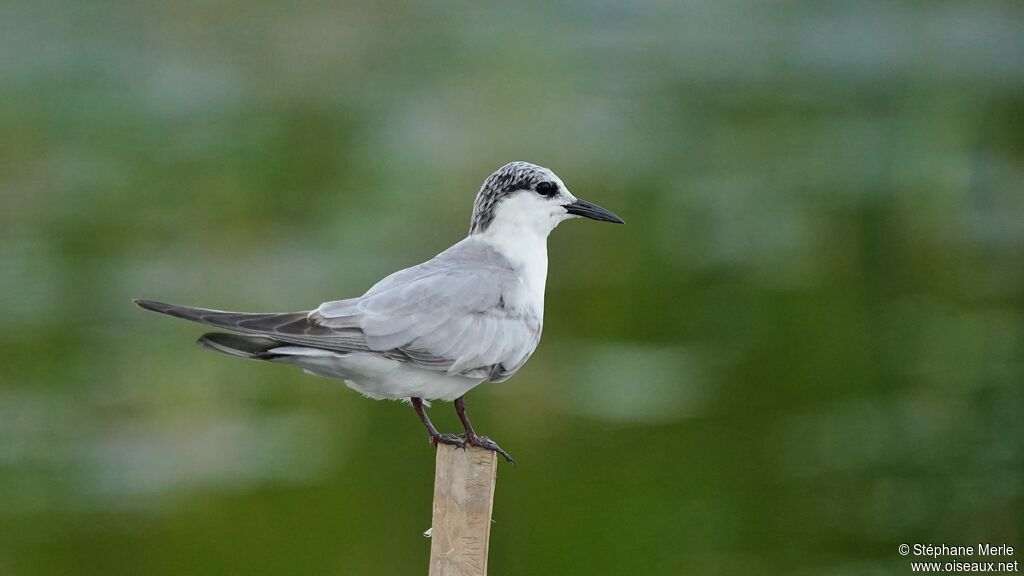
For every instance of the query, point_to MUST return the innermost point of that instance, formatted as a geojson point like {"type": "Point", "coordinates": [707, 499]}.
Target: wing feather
{"type": "Point", "coordinates": [447, 314]}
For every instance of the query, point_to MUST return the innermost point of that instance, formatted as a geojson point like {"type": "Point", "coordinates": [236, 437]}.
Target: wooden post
{"type": "Point", "coordinates": [460, 532]}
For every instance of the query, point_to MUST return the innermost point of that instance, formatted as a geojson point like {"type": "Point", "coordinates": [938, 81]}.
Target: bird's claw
{"type": "Point", "coordinates": [488, 444]}
{"type": "Point", "coordinates": [446, 438]}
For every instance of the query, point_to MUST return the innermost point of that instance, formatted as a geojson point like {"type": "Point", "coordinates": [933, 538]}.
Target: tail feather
{"type": "Point", "coordinates": [251, 347]}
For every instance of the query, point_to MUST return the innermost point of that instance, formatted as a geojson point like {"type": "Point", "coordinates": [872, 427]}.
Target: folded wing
{"type": "Point", "coordinates": [448, 314]}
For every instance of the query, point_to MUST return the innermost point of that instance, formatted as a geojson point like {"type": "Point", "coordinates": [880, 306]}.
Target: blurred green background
{"type": "Point", "coordinates": [805, 347]}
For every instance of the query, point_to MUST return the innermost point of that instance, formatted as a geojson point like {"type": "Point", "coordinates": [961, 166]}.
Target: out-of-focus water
{"type": "Point", "coordinates": [805, 348]}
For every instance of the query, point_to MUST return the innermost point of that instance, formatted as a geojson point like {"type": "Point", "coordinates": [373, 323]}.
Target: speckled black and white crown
{"type": "Point", "coordinates": [505, 180]}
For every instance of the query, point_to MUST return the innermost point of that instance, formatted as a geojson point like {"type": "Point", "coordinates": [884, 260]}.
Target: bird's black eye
{"type": "Point", "coordinates": [547, 188]}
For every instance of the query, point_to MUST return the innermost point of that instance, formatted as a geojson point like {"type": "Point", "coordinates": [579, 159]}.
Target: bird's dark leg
{"type": "Point", "coordinates": [471, 437]}
{"type": "Point", "coordinates": [435, 436]}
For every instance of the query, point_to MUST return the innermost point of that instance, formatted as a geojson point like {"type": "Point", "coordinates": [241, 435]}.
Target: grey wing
{"type": "Point", "coordinates": [290, 328]}
{"type": "Point", "coordinates": [447, 314]}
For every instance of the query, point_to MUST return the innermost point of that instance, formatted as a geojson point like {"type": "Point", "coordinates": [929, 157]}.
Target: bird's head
{"type": "Point", "coordinates": [520, 195]}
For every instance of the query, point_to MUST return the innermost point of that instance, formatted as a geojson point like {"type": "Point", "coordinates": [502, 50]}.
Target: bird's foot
{"type": "Point", "coordinates": [488, 444]}
{"type": "Point", "coordinates": [444, 438]}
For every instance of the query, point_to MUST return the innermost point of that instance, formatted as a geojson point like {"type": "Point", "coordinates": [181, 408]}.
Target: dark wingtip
{"type": "Point", "coordinates": [150, 305]}
{"type": "Point", "coordinates": [183, 312]}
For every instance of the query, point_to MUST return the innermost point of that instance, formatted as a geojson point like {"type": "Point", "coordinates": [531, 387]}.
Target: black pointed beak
{"type": "Point", "coordinates": [592, 211]}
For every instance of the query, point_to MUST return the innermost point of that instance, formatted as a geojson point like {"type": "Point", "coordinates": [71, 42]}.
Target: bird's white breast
{"type": "Point", "coordinates": [528, 253]}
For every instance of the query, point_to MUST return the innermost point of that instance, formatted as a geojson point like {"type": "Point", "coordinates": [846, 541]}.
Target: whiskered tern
{"type": "Point", "coordinates": [434, 331]}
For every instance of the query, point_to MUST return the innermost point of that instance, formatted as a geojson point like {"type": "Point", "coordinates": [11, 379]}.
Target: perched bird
{"type": "Point", "coordinates": [434, 331]}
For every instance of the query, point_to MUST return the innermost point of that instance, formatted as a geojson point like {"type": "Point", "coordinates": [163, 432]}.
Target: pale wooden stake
{"type": "Point", "coordinates": [460, 532]}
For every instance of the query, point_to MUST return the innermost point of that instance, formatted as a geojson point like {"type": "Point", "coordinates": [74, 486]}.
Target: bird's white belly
{"type": "Point", "coordinates": [379, 377]}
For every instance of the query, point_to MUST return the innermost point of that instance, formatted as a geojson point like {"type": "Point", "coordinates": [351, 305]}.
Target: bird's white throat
{"type": "Point", "coordinates": [519, 231]}
{"type": "Point", "coordinates": [524, 241]}
{"type": "Point", "coordinates": [528, 253]}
